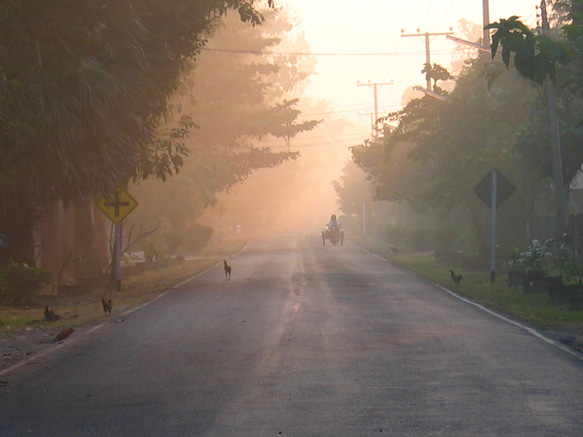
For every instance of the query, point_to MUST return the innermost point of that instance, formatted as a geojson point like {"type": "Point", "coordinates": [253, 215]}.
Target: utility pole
{"type": "Point", "coordinates": [554, 134]}
{"type": "Point", "coordinates": [427, 50]}
{"type": "Point", "coordinates": [376, 105]}
{"type": "Point", "coordinates": [484, 47]}
{"type": "Point", "coordinates": [370, 115]}
{"type": "Point", "coordinates": [486, 21]}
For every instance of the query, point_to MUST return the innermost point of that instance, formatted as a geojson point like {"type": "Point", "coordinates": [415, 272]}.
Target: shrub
{"type": "Point", "coordinates": [540, 256]}
{"type": "Point", "coordinates": [535, 257]}
{"type": "Point", "coordinates": [155, 250]}
{"type": "Point", "coordinates": [197, 237]}
{"type": "Point", "coordinates": [408, 237]}
{"type": "Point", "coordinates": [20, 281]}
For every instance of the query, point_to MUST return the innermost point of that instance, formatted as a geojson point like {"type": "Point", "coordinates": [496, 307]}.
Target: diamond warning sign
{"type": "Point", "coordinates": [118, 206]}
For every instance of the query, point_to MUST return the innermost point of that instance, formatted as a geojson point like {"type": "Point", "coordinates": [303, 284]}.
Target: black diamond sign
{"type": "Point", "coordinates": [503, 192]}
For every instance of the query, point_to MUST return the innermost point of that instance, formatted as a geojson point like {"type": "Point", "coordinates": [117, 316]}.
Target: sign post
{"type": "Point", "coordinates": [494, 189]}
{"type": "Point", "coordinates": [493, 238]}
{"type": "Point", "coordinates": [117, 208]}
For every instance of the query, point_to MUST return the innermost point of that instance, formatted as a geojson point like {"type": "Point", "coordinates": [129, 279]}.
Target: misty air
{"type": "Point", "coordinates": [291, 218]}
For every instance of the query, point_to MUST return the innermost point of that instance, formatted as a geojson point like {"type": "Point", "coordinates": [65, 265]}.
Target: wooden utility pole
{"type": "Point", "coordinates": [493, 235]}
{"type": "Point", "coordinates": [427, 50]}
{"type": "Point", "coordinates": [556, 156]}
{"type": "Point", "coordinates": [376, 104]}
{"type": "Point", "coordinates": [486, 21]}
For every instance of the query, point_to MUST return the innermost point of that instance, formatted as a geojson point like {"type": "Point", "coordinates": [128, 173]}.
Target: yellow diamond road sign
{"type": "Point", "coordinates": [118, 206]}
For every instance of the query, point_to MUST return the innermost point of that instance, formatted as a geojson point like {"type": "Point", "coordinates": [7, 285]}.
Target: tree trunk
{"type": "Point", "coordinates": [18, 218]}
{"type": "Point", "coordinates": [87, 263]}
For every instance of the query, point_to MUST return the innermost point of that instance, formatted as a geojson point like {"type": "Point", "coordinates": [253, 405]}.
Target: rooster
{"type": "Point", "coordinates": [107, 305]}
{"type": "Point", "coordinates": [50, 315]}
{"type": "Point", "coordinates": [457, 279]}
{"type": "Point", "coordinates": [227, 270]}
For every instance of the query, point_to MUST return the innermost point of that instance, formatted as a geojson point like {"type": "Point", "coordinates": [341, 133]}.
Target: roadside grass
{"type": "Point", "coordinates": [86, 309]}
{"type": "Point", "coordinates": [475, 286]}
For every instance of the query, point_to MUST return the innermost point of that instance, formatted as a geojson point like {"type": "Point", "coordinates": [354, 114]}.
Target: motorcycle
{"type": "Point", "coordinates": [334, 235]}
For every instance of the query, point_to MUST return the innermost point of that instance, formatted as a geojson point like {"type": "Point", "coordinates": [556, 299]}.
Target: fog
{"type": "Point", "coordinates": [295, 195]}
{"type": "Point", "coordinates": [229, 83]}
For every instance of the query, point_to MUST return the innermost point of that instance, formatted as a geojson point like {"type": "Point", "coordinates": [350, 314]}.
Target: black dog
{"type": "Point", "coordinates": [227, 271]}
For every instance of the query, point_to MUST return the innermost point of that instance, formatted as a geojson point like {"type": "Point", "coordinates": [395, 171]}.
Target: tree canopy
{"type": "Point", "coordinates": [83, 89]}
{"type": "Point", "coordinates": [238, 98]}
{"type": "Point", "coordinates": [491, 118]}
{"type": "Point", "coordinates": [440, 150]}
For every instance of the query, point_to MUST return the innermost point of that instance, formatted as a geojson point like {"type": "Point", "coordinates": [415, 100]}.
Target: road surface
{"type": "Point", "coordinates": [304, 340]}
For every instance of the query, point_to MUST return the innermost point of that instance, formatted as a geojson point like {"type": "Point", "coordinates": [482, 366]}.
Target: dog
{"type": "Point", "coordinates": [227, 271]}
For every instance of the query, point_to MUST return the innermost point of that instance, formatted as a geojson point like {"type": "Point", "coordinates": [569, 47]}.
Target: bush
{"type": "Point", "coordinates": [540, 256]}
{"type": "Point", "coordinates": [21, 281]}
{"type": "Point", "coordinates": [421, 239]}
{"type": "Point", "coordinates": [197, 237]}
{"type": "Point", "coordinates": [155, 250]}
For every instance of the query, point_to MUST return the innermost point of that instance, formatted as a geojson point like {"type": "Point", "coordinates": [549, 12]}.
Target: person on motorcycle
{"type": "Point", "coordinates": [333, 232]}
{"type": "Point", "coordinates": [334, 223]}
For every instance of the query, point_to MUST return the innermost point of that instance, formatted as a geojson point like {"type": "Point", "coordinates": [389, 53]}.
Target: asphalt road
{"type": "Point", "coordinates": [304, 340]}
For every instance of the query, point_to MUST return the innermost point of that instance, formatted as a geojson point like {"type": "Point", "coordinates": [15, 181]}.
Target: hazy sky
{"type": "Point", "coordinates": [336, 27]}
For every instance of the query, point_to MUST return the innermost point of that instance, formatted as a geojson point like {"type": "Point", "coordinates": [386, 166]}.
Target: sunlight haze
{"type": "Point", "coordinates": [354, 45]}
{"type": "Point", "coordinates": [345, 34]}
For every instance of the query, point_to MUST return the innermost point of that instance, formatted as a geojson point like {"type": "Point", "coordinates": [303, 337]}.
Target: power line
{"type": "Point", "coordinates": [375, 85]}
{"type": "Point", "coordinates": [445, 14]}
{"type": "Point", "coordinates": [426, 35]}
{"type": "Point", "coordinates": [381, 109]}
{"type": "Point", "coordinates": [260, 52]}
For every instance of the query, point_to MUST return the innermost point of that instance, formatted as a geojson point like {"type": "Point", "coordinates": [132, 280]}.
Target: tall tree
{"type": "Point", "coordinates": [453, 144]}
{"type": "Point", "coordinates": [549, 58]}
{"type": "Point", "coordinates": [235, 94]}
{"type": "Point", "coordinates": [83, 87]}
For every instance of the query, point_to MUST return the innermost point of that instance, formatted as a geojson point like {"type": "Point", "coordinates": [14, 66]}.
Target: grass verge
{"type": "Point", "coordinates": [510, 301]}
{"type": "Point", "coordinates": [86, 309]}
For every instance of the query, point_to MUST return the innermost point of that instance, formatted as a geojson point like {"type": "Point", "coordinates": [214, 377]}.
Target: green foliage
{"type": "Point", "coordinates": [164, 155]}
{"type": "Point", "coordinates": [80, 112]}
{"type": "Point", "coordinates": [155, 250]}
{"type": "Point", "coordinates": [172, 241]}
{"type": "Point", "coordinates": [21, 281]}
{"type": "Point", "coordinates": [512, 301]}
{"type": "Point", "coordinates": [197, 237]}
{"type": "Point", "coordinates": [352, 188]}
{"type": "Point", "coordinates": [557, 54]}
{"type": "Point", "coordinates": [440, 150]}
{"type": "Point", "coordinates": [572, 271]}
{"type": "Point", "coordinates": [535, 56]}
{"type": "Point", "coordinates": [409, 238]}
{"type": "Point", "coordinates": [436, 72]}
{"type": "Point", "coordinates": [535, 258]}
{"type": "Point", "coordinates": [237, 100]}
{"type": "Point", "coordinates": [541, 256]}
{"type": "Point", "coordinates": [281, 121]}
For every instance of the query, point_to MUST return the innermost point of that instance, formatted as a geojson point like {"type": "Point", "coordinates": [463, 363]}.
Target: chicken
{"type": "Point", "coordinates": [50, 315]}
{"type": "Point", "coordinates": [457, 279]}
{"type": "Point", "coordinates": [63, 334]}
{"type": "Point", "coordinates": [107, 305]}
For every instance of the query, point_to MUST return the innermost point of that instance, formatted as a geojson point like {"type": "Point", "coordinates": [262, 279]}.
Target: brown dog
{"type": "Point", "coordinates": [227, 271]}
